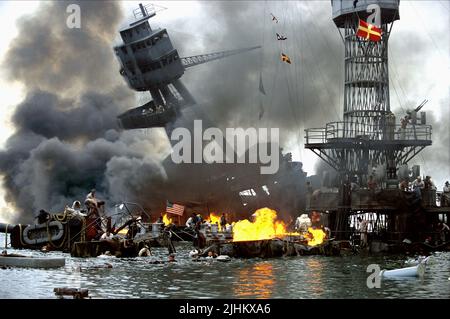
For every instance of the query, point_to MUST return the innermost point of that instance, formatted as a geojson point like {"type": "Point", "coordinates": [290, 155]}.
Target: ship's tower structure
{"type": "Point", "coordinates": [149, 62]}
{"type": "Point", "coordinates": [369, 136]}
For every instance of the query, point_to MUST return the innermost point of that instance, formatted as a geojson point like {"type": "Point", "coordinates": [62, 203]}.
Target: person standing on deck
{"type": "Point", "coordinates": [445, 201]}
{"type": "Point", "coordinates": [403, 123]}
{"type": "Point", "coordinates": [417, 186]}
{"type": "Point", "coordinates": [223, 222]}
{"type": "Point", "coordinates": [190, 223]}
{"type": "Point", "coordinates": [363, 227]}
{"type": "Point", "coordinates": [93, 205]}
{"type": "Point", "coordinates": [443, 231]}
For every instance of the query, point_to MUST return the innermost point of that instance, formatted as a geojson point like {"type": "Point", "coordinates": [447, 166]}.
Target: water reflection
{"type": "Point", "coordinates": [255, 281]}
{"type": "Point", "coordinates": [315, 282]}
{"type": "Point", "coordinates": [293, 277]}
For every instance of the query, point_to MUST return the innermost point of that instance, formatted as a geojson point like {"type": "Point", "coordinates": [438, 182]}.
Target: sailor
{"type": "Point", "coordinates": [206, 225]}
{"type": "Point", "coordinates": [354, 185]}
{"type": "Point", "coordinates": [443, 231]}
{"type": "Point", "coordinates": [327, 232]}
{"type": "Point", "coordinates": [446, 187]}
{"type": "Point", "coordinates": [404, 121]}
{"type": "Point", "coordinates": [302, 223]}
{"type": "Point", "coordinates": [363, 227]}
{"type": "Point", "coordinates": [190, 223]}
{"type": "Point", "coordinates": [417, 186]}
{"type": "Point", "coordinates": [106, 254]}
{"type": "Point", "coordinates": [445, 201]}
{"type": "Point", "coordinates": [91, 203]}
{"type": "Point", "coordinates": [107, 236]}
{"type": "Point", "coordinates": [211, 255]}
{"type": "Point", "coordinates": [229, 228]}
{"type": "Point", "coordinates": [145, 252]}
{"type": "Point", "coordinates": [43, 216]}
{"type": "Point", "coordinates": [223, 222]}
{"type": "Point", "coordinates": [92, 200]}
{"type": "Point", "coordinates": [194, 254]}
{"type": "Point", "coordinates": [429, 184]}
{"type": "Point", "coordinates": [75, 210]}
{"type": "Point", "coordinates": [91, 195]}
{"type": "Point", "coordinates": [404, 185]}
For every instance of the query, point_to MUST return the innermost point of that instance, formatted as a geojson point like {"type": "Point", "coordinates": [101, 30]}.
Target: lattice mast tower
{"type": "Point", "coordinates": [368, 136]}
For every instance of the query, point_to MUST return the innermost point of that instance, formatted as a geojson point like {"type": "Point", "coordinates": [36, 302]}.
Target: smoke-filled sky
{"type": "Point", "coordinates": [61, 89]}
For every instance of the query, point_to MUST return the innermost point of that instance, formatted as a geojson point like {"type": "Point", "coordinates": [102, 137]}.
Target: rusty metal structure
{"type": "Point", "coordinates": [369, 142]}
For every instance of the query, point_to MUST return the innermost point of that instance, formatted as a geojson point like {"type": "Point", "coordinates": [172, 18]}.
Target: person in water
{"type": "Point", "coordinates": [170, 259]}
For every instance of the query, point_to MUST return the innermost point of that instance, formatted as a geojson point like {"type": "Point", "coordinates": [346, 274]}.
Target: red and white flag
{"type": "Point", "coordinates": [175, 209]}
{"type": "Point", "coordinates": [368, 31]}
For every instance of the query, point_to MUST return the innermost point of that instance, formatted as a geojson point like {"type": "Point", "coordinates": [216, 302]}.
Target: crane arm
{"type": "Point", "coordinates": [204, 58]}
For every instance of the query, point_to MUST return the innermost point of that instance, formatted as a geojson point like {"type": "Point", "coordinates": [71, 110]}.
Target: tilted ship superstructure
{"type": "Point", "coordinates": [149, 62]}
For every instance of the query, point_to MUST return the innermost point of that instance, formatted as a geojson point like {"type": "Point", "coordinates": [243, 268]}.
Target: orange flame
{"type": "Point", "coordinates": [167, 220]}
{"type": "Point", "coordinates": [315, 236]}
{"type": "Point", "coordinates": [264, 226]}
{"type": "Point", "coordinates": [214, 218]}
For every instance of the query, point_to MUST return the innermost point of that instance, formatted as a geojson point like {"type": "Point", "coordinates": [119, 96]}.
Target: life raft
{"type": "Point", "coordinates": [43, 233]}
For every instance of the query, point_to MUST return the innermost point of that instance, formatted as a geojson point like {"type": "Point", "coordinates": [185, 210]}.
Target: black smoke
{"type": "Point", "coordinates": [67, 140]}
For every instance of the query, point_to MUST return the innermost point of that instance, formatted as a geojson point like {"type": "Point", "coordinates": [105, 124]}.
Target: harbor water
{"type": "Point", "coordinates": [290, 277]}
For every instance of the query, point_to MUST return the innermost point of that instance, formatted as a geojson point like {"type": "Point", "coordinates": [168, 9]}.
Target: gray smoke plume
{"type": "Point", "coordinates": [66, 138]}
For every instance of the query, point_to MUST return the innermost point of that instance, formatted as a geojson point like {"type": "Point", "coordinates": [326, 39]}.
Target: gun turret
{"type": "Point", "coordinates": [421, 105]}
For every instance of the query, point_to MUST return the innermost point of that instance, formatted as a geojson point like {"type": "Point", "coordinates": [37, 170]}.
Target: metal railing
{"type": "Point", "coordinates": [343, 130]}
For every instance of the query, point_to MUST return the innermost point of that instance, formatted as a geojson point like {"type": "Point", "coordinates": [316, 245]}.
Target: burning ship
{"type": "Point", "coordinates": [368, 145]}
{"type": "Point", "coordinates": [149, 62]}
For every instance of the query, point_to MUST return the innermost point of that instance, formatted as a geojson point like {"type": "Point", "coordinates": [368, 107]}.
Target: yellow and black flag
{"type": "Point", "coordinates": [285, 58]}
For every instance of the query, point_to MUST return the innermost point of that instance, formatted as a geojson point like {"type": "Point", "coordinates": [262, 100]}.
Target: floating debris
{"type": "Point", "coordinates": [76, 293]}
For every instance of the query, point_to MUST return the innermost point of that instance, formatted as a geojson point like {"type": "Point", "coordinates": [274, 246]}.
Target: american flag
{"type": "Point", "coordinates": [174, 209]}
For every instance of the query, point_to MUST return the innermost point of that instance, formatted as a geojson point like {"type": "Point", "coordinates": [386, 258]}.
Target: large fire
{"type": "Point", "coordinates": [167, 220]}
{"type": "Point", "coordinates": [315, 236]}
{"type": "Point", "coordinates": [266, 226]}
{"type": "Point", "coordinates": [214, 219]}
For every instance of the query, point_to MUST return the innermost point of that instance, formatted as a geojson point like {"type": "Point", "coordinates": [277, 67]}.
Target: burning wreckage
{"type": "Point", "coordinates": [393, 213]}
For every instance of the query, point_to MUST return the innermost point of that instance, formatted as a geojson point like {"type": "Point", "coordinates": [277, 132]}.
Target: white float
{"type": "Point", "coordinates": [415, 271]}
